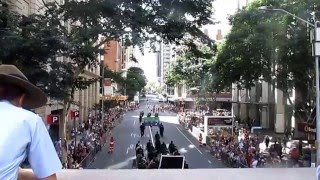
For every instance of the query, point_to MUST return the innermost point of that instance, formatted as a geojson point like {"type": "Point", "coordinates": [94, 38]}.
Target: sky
{"type": "Point", "coordinates": [222, 9]}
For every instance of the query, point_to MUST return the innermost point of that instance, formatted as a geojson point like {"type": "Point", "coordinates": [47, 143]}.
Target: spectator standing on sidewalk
{"type": "Point", "coordinates": [267, 141]}
{"type": "Point", "coordinates": [22, 131]}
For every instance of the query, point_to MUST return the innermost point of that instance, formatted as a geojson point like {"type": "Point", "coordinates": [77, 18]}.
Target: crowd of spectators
{"type": "Point", "coordinates": [246, 152]}
{"type": "Point", "coordinates": [90, 138]}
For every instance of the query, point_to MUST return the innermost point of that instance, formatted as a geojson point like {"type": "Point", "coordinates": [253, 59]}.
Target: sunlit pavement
{"type": "Point", "coordinates": [127, 134]}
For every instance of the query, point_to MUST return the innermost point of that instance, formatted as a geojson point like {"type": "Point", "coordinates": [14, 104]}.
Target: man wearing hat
{"type": "Point", "coordinates": [23, 133]}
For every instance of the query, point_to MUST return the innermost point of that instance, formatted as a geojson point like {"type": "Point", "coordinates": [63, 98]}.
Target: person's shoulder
{"type": "Point", "coordinates": [19, 113]}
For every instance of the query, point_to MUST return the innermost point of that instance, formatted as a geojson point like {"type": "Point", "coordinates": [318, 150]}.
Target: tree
{"type": "Point", "coordinates": [193, 68]}
{"type": "Point", "coordinates": [117, 77]}
{"type": "Point", "coordinates": [271, 47]}
{"type": "Point", "coordinates": [135, 81]}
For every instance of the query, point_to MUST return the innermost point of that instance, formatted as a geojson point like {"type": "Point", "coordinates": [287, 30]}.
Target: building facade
{"type": "Point", "coordinates": [117, 58]}
{"type": "Point", "coordinates": [83, 100]}
{"type": "Point", "coordinates": [165, 59]}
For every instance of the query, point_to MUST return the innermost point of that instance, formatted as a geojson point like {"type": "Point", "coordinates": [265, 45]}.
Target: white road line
{"type": "Point", "coordinates": [209, 162]}
{"type": "Point", "coordinates": [151, 136]}
{"type": "Point", "coordinates": [188, 140]}
{"type": "Point", "coordinates": [127, 150]}
{"type": "Point", "coordinates": [134, 122]}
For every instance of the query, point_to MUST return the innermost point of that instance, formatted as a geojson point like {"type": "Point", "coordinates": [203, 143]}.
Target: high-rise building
{"type": "Point", "coordinates": [219, 36]}
{"type": "Point", "coordinates": [166, 57]}
{"type": "Point", "coordinates": [160, 67]}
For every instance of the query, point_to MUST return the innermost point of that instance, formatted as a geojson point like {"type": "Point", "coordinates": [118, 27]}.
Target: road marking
{"type": "Point", "coordinates": [209, 162]}
{"type": "Point", "coordinates": [188, 140]}
{"type": "Point", "coordinates": [151, 136]}
{"type": "Point", "coordinates": [134, 122]}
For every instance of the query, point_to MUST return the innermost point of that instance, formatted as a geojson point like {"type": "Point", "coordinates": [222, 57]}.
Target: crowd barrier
{"type": "Point", "coordinates": [227, 160]}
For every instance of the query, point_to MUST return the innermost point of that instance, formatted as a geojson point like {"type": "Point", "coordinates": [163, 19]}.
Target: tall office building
{"type": "Point", "coordinates": [165, 57]}
{"type": "Point", "coordinates": [160, 67]}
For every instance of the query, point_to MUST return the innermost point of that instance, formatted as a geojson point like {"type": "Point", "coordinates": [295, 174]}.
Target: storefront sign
{"type": "Point", "coordinates": [227, 121]}
{"type": "Point", "coordinates": [53, 119]}
{"type": "Point", "coordinates": [306, 128]}
{"type": "Point", "coordinates": [74, 114]}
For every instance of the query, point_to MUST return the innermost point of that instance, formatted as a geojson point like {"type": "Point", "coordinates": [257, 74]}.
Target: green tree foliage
{"type": "Point", "coordinates": [269, 46]}
{"type": "Point", "coordinates": [135, 81]}
{"type": "Point", "coordinates": [117, 77]}
{"type": "Point", "coordinates": [193, 68]}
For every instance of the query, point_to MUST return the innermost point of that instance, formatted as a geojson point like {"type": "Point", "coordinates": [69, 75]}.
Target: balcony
{"type": "Point", "coordinates": [192, 174]}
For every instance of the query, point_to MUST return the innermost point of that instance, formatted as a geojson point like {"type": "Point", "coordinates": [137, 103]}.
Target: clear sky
{"type": "Point", "coordinates": [223, 8]}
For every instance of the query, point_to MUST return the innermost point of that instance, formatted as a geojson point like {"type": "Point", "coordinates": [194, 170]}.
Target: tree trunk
{"type": "Point", "coordinates": [63, 127]}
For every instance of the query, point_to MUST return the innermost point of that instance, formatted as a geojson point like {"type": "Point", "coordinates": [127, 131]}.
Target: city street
{"type": "Point", "coordinates": [127, 134]}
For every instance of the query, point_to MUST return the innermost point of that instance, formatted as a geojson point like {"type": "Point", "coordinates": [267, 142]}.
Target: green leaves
{"type": "Point", "coordinates": [54, 48]}
{"type": "Point", "coordinates": [135, 81]}
{"type": "Point", "coordinates": [193, 68]}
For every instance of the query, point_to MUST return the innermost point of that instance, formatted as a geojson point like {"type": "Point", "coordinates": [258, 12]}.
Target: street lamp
{"type": "Point", "coordinates": [268, 8]}
{"type": "Point", "coordinates": [316, 27]}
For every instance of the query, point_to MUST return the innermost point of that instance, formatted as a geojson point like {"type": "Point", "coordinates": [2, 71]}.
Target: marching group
{"type": "Point", "coordinates": [153, 153]}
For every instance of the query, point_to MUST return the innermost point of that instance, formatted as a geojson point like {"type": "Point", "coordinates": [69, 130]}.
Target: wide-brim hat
{"type": "Point", "coordinates": [34, 98]}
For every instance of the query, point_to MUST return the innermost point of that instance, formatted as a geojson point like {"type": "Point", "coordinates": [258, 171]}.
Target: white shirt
{"type": "Point", "coordinates": [24, 135]}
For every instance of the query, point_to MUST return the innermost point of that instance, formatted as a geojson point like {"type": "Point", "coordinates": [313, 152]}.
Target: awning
{"type": "Point", "coordinates": [116, 98]}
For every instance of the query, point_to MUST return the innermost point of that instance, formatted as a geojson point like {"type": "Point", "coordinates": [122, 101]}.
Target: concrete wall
{"type": "Point", "coordinates": [192, 174]}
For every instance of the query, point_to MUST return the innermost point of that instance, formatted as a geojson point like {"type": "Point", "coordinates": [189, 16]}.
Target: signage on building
{"type": "Point", "coordinates": [108, 90]}
{"type": "Point", "coordinates": [75, 114]}
{"type": "Point", "coordinates": [306, 128]}
{"type": "Point", "coordinates": [53, 119]}
{"type": "Point", "coordinates": [219, 121]}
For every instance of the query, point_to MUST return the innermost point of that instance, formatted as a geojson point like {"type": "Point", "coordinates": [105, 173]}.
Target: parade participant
{"type": "Point", "coordinates": [158, 146]}
{"type": "Point", "coordinates": [138, 144]}
{"type": "Point", "coordinates": [164, 149]}
{"type": "Point", "coordinates": [111, 144]}
{"type": "Point", "coordinates": [149, 145]}
{"type": "Point", "coordinates": [139, 150]}
{"type": "Point", "coordinates": [140, 119]}
{"type": "Point", "coordinates": [200, 139]}
{"type": "Point", "coordinates": [157, 136]}
{"type": "Point", "coordinates": [161, 128]}
{"type": "Point", "coordinates": [142, 128]}
{"type": "Point", "coordinates": [172, 147]}
{"type": "Point", "coordinates": [22, 132]}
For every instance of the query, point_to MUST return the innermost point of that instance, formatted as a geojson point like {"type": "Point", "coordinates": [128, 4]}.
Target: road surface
{"type": "Point", "coordinates": [127, 134]}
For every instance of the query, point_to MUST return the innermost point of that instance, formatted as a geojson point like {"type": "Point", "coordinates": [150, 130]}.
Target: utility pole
{"type": "Point", "coordinates": [317, 56]}
{"type": "Point", "coordinates": [102, 89]}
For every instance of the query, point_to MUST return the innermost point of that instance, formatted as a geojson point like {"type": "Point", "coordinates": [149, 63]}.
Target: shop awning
{"type": "Point", "coordinates": [116, 98]}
